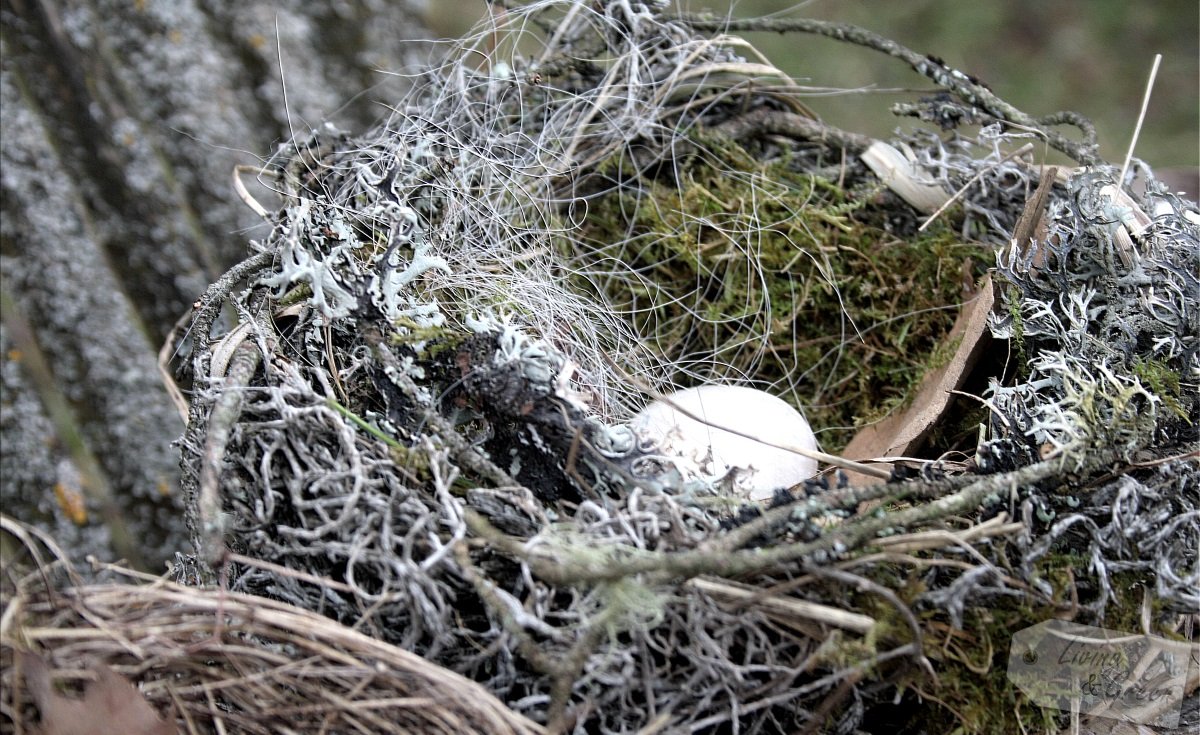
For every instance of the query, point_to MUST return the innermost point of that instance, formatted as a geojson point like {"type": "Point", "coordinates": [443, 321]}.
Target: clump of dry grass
{"type": "Point", "coordinates": [219, 661]}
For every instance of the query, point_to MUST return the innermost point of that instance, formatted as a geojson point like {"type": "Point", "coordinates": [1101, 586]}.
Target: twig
{"type": "Point", "coordinates": [777, 122]}
{"type": "Point", "coordinates": [813, 506]}
{"type": "Point", "coordinates": [165, 354]}
{"type": "Point", "coordinates": [785, 607]}
{"type": "Point", "coordinates": [865, 584]}
{"type": "Point", "coordinates": [830, 703]}
{"type": "Point", "coordinates": [208, 306]}
{"type": "Point", "coordinates": [464, 453]}
{"type": "Point", "coordinates": [624, 561]}
{"type": "Point", "coordinates": [283, 571]}
{"type": "Point", "coordinates": [488, 593]}
{"type": "Point", "coordinates": [952, 80]}
{"type": "Point", "coordinates": [210, 529]}
{"type": "Point", "coordinates": [244, 195]}
{"type": "Point", "coordinates": [25, 533]}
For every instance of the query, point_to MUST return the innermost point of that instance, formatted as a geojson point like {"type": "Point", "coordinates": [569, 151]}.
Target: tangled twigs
{"type": "Point", "coordinates": [206, 517]}
{"type": "Point", "coordinates": [832, 499]}
{"type": "Point", "coordinates": [952, 80]}
{"type": "Point", "coordinates": [862, 583]}
{"type": "Point", "coordinates": [562, 672]}
{"type": "Point", "coordinates": [616, 564]}
{"type": "Point", "coordinates": [508, 611]}
{"type": "Point", "coordinates": [470, 458]}
{"type": "Point", "coordinates": [438, 447]}
{"type": "Point", "coordinates": [276, 665]}
{"type": "Point", "coordinates": [781, 607]}
{"type": "Point", "coordinates": [30, 537]}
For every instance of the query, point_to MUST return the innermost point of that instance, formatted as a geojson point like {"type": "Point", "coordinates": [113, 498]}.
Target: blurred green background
{"type": "Point", "coordinates": [1090, 56]}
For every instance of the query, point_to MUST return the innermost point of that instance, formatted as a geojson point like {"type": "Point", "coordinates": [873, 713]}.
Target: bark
{"type": "Point", "coordinates": [120, 125]}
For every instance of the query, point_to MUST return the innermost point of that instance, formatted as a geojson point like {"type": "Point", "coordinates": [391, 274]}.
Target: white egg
{"type": "Point", "coordinates": [760, 469]}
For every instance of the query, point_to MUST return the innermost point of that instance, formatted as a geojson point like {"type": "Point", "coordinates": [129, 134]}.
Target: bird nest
{"type": "Point", "coordinates": [407, 429]}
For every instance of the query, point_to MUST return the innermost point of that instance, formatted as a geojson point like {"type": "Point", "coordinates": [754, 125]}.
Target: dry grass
{"type": "Point", "coordinates": [231, 663]}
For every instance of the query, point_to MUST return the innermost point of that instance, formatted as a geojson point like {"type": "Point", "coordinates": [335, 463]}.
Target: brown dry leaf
{"type": "Point", "coordinates": [110, 704]}
{"type": "Point", "coordinates": [901, 434]}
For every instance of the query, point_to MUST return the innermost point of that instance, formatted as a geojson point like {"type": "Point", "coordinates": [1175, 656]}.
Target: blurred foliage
{"type": "Point", "coordinates": [1090, 56]}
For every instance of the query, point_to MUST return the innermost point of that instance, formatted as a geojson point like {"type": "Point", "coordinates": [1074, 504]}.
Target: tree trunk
{"type": "Point", "coordinates": [120, 126]}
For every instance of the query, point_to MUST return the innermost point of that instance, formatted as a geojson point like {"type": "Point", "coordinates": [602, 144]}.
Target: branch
{"type": "Point", "coordinates": [778, 122]}
{"type": "Point", "coordinates": [965, 87]}
{"type": "Point", "coordinates": [557, 566]}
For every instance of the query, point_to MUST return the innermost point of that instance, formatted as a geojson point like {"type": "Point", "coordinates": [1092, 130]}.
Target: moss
{"type": "Point", "coordinates": [973, 693]}
{"type": "Point", "coordinates": [1163, 382]}
{"type": "Point", "coordinates": [413, 461]}
{"type": "Point", "coordinates": [752, 269]}
{"type": "Point", "coordinates": [295, 296]}
{"type": "Point", "coordinates": [1018, 332]}
{"type": "Point", "coordinates": [960, 427]}
{"type": "Point", "coordinates": [429, 341]}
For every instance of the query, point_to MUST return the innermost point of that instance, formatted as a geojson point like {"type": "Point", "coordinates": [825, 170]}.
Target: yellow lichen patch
{"type": "Point", "coordinates": [72, 503]}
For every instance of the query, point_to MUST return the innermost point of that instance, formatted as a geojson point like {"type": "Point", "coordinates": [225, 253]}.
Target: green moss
{"type": "Point", "coordinates": [959, 428]}
{"type": "Point", "coordinates": [295, 296]}
{"type": "Point", "coordinates": [1018, 332]}
{"type": "Point", "coordinates": [972, 693]}
{"type": "Point", "coordinates": [411, 460]}
{"type": "Point", "coordinates": [1163, 382]}
{"type": "Point", "coordinates": [432, 340]}
{"type": "Point", "coordinates": [754, 269]}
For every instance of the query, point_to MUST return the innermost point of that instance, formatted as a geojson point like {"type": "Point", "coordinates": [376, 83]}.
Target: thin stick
{"type": "Point", "coordinates": [165, 355]}
{"type": "Point", "coordinates": [211, 522]}
{"type": "Point", "coordinates": [785, 607]}
{"type": "Point", "coordinates": [550, 566]}
{"type": "Point", "coordinates": [1137, 130]}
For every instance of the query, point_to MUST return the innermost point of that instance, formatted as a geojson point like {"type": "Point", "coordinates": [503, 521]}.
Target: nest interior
{"type": "Point", "coordinates": [408, 401]}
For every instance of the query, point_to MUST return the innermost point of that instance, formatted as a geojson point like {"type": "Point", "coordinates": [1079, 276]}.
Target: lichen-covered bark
{"type": "Point", "coordinates": [33, 456]}
{"type": "Point", "coordinates": [120, 125]}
